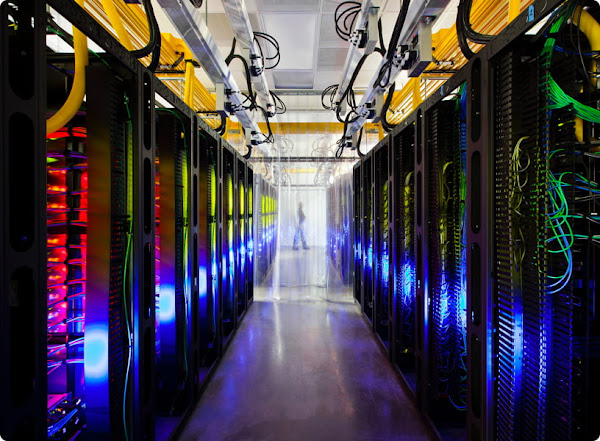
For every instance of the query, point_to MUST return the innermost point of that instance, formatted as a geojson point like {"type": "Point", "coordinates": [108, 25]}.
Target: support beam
{"type": "Point", "coordinates": [192, 27]}
{"type": "Point", "coordinates": [239, 20]}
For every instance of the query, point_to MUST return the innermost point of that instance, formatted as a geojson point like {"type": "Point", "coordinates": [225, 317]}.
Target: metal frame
{"type": "Point", "coordinates": [239, 20]}
{"type": "Point", "coordinates": [23, 224]}
{"type": "Point", "coordinates": [190, 24]}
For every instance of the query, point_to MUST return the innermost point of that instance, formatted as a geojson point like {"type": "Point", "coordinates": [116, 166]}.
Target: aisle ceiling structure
{"type": "Point", "coordinates": [312, 54]}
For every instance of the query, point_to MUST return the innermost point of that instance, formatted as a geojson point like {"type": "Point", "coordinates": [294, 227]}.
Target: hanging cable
{"type": "Point", "coordinates": [347, 18]}
{"type": "Point", "coordinates": [384, 123]}
{"type": "Point", "coordinates": [385, 72]}
{"type": "Point", "coordinates": [152, 27]}
{"type": "Point", "coordinates": [280, 107]}
{"type": "Point", "coordinates": [274, 43]}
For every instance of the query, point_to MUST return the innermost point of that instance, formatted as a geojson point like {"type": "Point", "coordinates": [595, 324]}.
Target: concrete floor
{"type": "Point", "coordinates": [304, 366]}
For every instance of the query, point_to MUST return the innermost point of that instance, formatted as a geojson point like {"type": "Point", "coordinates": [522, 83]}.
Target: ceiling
{"type": "Point", "coordinates": [312, 54]}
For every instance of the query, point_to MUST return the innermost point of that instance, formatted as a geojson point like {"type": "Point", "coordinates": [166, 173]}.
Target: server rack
{"type": "Point", "coordinates": [358, 233]}
{"type": "Point", "coordinates": [265, 208]}
{"type": "Point", "coordinates": [250, 235]}
{"type": "Point", "coordinates": [529, 339]}
{"type": "Point", "coordinates": [444, 262]}
{"type": "Point", "coordinates": [544, 183]}
{"type": "Point", "coordinates": [241, 237]}
{"type": "Point", "coordinates": [228, 242]}
{"type": "Point", "coordinates": [206, 264]}
{"type": "Point", "coordinates": [126, 208]}
{"type": "Point", "coordinates": [403, 257]}
{"type": "Point", "coordinates": [367, 236]}
{"type": "Point", "coordinates": [173, 357]}
{"type": "Point", "coordinates": [381, 243]}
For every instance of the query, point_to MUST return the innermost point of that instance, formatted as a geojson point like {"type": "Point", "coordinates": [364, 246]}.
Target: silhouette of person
{"type": "Point", "coordinates": [300, 229]}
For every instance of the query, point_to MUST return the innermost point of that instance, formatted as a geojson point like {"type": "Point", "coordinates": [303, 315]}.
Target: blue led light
{"type": "Point", "coordinates": [385, 269]}
{"type": "Point", "coordinates": [202, 279]}
{"type": "Point", "coordinates": [167, 304]}
{"type": "Point", "coordinates": [96, 353]}
{"type": "Point", "coordinates": [408, 272]}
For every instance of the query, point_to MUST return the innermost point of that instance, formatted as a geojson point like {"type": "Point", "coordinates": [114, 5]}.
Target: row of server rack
{"type": "Point", "coordinates": [127, 244]}
{"type": "Point", "coordinates": [477, 239]}
{"type": "Point", "coordinates": [339, 227]}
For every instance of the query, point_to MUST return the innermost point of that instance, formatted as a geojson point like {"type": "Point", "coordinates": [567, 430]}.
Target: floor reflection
{"type": "Point", "coordinates": [303, 275]}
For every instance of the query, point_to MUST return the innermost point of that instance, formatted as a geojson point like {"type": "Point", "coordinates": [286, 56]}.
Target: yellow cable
{"type": "Point", "coordinates": [591, 29]}
{"type": "Point", "coordinates": [75, 98]}
{"type": "Point", "coordinates": [189, 83]}
{"type": "Point", "coordinates": [117, 23]}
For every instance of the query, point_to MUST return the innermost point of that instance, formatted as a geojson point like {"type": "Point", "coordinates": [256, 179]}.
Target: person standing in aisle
{"type": "Point", "coordinates": [300, 229]}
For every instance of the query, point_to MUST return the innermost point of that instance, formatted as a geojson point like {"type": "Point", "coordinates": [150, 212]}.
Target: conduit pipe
{"type": "Point", "coordinates": [75, 98]}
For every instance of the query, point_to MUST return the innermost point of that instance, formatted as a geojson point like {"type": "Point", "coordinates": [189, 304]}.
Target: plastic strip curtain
{"type": "Point", "coordinates": [313, 221]}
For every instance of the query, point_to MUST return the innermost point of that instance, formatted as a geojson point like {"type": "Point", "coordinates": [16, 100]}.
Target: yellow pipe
{"type": "Point", "coordinates": [514, 8]}
{"type": "Point", "coordinates": [189, 83]}
{"type": "Point", "coordinates": [591, 29]}
{"type": "Point", "coordinates": [589, 26]}
{"type": "Point", "coordinates": [117, 23]}
{"type": "Point", "coordinates": [75, 98]}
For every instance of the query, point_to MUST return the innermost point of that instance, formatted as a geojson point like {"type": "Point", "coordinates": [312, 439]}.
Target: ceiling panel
{"type": "Point", "coordinates": [325, 79]}
{"type": "Point", "coordinates": [330, 5]}
{"type": "Point", "coordinates": [328, 36]}
{"type": "Point", "coordinates": [288, 5]}
{"type": "Point", "coordinates": [331, 59]}
{"type": "Point", "coordinates": [296, 36]}
{"type": "Point", "coordinates": [293, 79]}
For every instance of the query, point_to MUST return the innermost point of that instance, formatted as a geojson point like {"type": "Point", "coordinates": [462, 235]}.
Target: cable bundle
{"type": "Point", "coordinates": [258, 36]}
{"type": "Point", "coordinates": [66, 266]}
{"type": "Point", "coordinates": [154, 43]}
{"type": "Point", "coordinates": [464, 30]}
{"type": "Point", "coordinates": [346, 18]}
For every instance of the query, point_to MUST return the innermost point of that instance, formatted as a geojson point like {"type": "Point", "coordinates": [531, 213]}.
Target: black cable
{"type": "Point", "coordinates": [251, 94]}
{"type": "Point", "coordinates": [360, 154]}
{"type": "Point", "coordinates": [350, 85]}
{"type": "Point", "coordinates": [460, 33]}
{"type": "Point", "coordinates": [280, 107]}
{"type": "Point", "coordinates": [470, 33]}
{"type": "Point", "coordinates": [154, 40]}
{"type": "Point", "coordinates": [271, 40]}
{"type": "Point", "coordinates": [231, 52]}
{"type": "Point", "coordinates": [380, 32]}
{"type": "Point", "coordinates": [342, 141]}
{"type": "Point", "coordinates": [331, 91]}
{"type": "Point", "coordinates": [384, 123]}
{"type": "Point", "coordinates": [385, 72]}
{"type": "Point", "coordinates": [397, 29]}
{"type": "Point", "coordinates": [222, 127]}
{"type": "Point", "coordinates": [351, 12]}
{"type": "Point", "coordinates": [155, 55]}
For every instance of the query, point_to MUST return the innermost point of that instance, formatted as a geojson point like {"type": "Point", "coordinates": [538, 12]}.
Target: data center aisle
{"type": "Point", "coordinates": [304, 366]}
